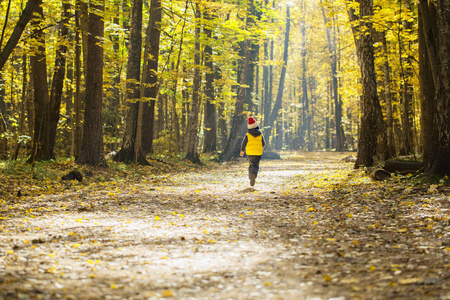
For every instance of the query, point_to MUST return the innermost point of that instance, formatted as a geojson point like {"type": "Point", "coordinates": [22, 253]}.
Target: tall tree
{"type": "Point", "coordinates": [278, 102]}
{"type": "Point", "coordinates": [192, 130]}
{"type": "Point", "coordinates": [56, 91]}
{"type": "Point", "coordinates": [305, 133]}
{"type": "Point", "coordinates": [266, 101]}
{"type": "Point", "coordinates": [77, 129]}
{"type": "Point", "coordinates": [149, 89]}
{"type": "Point", "coordinates": [372, 136]}
{"type": "Point", "coordinates": [439, 162]}
{"type": "Point", "coordinates": [92, 145]}
{"type": "Point", "coordinates": [427, 73]}
{"type": "Point", "coordinates": [388, 97]}
{"type": "Point", "coordinates": [41, 97]}
{"type": "Point", "coordinates": [210, 141]}
{"type": "Point", "coordinates": [244, 88]}
{"type": "Point", "coordinates": [334, 80]}
{"type": "Point", "coordinates": [129, 152]}
{"type": "Point", "coordinates": [407, 116]}
{"type": "Point", "coordinates": [175, 128]}
{"type": "Point", "coordinates": [47, 108]}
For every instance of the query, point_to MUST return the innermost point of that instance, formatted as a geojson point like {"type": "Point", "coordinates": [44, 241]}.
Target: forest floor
{"type": "Point", "coordinates": [311, 228]}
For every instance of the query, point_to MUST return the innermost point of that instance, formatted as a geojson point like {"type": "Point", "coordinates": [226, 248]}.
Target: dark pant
{"type": "Point", "coordinates": [253, 167]}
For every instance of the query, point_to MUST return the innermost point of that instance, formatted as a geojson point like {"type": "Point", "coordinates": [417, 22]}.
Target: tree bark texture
{"type": "Point", "coordinates": [427, 86]}
{"type": "Point", "coordinates": [439, 162]}
{"type": "Point", "coordinates": [150, 76]}
{"type": "Point", "coordinates": [92, 146]}
{"type": "Point", "coordinates": [127, 150]}
{"type": "Point", "coordinates": [372, 137]}
{"type": "Point", "coordinates": [41, 96]}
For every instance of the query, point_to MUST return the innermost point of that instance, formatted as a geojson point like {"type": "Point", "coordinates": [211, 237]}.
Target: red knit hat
{"type": "Point", "coordinates": [252, 123]}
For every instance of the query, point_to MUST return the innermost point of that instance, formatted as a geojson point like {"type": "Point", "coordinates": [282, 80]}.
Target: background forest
{"type": "Point", "coordinates": [179, 78]}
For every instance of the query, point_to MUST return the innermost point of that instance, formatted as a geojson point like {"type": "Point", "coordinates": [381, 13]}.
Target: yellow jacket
{"type": "Point", "coordinates": [253, 145]}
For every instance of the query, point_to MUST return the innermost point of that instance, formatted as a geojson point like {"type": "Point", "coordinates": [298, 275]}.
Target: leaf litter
{"type": "Point", "coordinates": [311, 228]}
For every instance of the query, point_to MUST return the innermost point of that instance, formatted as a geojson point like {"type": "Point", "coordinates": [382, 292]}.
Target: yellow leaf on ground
{"type": "Point", "coordinates": [167, 293]}
{"type": "Point", "coordinates": [410, 280]}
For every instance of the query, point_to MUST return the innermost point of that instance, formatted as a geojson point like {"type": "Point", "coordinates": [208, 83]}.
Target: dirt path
{"type": "Point", "coordinates": [312, 228]}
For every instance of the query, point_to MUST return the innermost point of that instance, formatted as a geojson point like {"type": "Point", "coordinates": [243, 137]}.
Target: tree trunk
{"type": "Point", "coordinates": [23, 102]}
{"type": "Point", "coordinates": [3, 141]}
{"type": "Point", "coordinates": [305, 135]}
{"type": "Point", "coordinates": [83, 10]}
{"type": "Point", "coordinates": [92, 146]}
{"type": "Point", "coordinates": [56, 92]}
{"type": "Point", "coordinates": [334, 79]}
{"type": "Point", "coordinates": [40, 151]}
{"type": "Point", "coordinates": [278, 102]}
{"type": "Point", "coordinates": [192, 129]}
{"type": "Point", "coordinates": [175, 128]}
{"type": "Point", "coordinates": [77, 129]}
{"type": "Point", "coordinates": [439, 162]}
{"type": "Point", "coordinates": [25, 17]}
{"type": "Point", "coordinates": [150, 76]}
{"type": "Point", "coordinates": [238, 118]}
{"type": "Point", "coordinates": [372, 138]}
{"type": "Point", "coordinates": [388, 98]}
{"type": "Point", "coordinates": [3, 128]}
{"type": "Point", "coordinates": [210, 123]}
{"type": "Point", "coordinates": [427, 86]}
{"type": "Point", "coordinates": [266, 105]}
{"type": "Point", "coordinates": [407, 115]}
{"type": "Point", "coordinates": [127, 151]}
{"type": "Point", "coordinates": [221, 122]}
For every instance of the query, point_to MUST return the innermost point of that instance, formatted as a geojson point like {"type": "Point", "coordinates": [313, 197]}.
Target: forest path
{"type": "Point", "coordinates": [311, 228]}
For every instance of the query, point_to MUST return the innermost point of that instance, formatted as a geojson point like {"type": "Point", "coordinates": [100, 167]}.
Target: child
{"type": "Point", "coordinates": [253, 144]}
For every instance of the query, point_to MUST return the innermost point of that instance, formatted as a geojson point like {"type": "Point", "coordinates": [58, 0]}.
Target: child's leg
{"type": "Point", "coordinates": [253, 164]}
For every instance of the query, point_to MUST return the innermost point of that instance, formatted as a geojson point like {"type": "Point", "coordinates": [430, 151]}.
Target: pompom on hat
{"type": "Point", "coordinates": [252, 123]}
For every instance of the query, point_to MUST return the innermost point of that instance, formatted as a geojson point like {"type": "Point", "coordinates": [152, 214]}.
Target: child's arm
{"type": "Point", "coordinates": [263, 141]}
{"type": "Point", "coordinates": [244, 144]}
